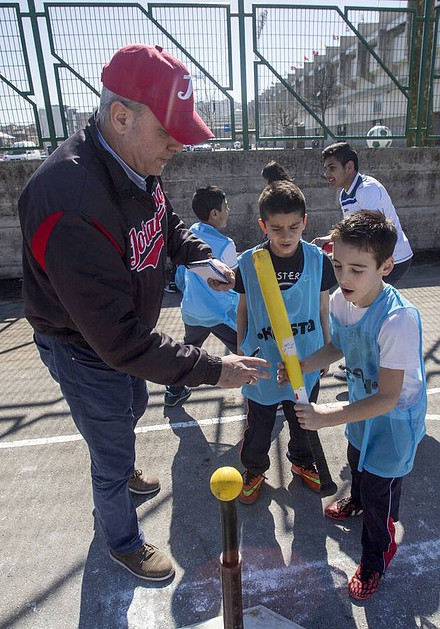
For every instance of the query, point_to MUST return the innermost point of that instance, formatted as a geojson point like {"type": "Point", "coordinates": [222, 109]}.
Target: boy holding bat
{"type": "Point", "coordinates": [305, 276]}
{"type": "Point", "coordinates": [379, 333]}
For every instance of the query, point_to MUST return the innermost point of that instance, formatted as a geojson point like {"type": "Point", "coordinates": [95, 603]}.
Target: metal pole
{"type": "Point", "coordinates": [43, 77]}
{"type": "Point", "coordinates": [242, 46]}
{"type": "Point", "coordinates": [428, 31]}
{"type": "Point", "coordinates": [230, 566]}
{"type": "Point", "coordinates": [226, 484]}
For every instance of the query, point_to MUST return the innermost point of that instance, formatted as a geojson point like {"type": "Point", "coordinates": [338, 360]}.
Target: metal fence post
{"type": "Point", "coordinates": [425, 71]}
{"type": "Point", "coordinates": [244, 100]}
{"type": "Point", "coordinates": [33, 16]}
{"type": "Point", "coordinates": [226, 484]}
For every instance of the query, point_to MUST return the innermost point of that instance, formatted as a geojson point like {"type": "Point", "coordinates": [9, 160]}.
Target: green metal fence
{"type": "Point", "coordinates": [263, 75]}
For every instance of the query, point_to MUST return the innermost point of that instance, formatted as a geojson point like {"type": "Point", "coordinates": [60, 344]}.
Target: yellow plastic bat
{"type": "Point", "coordinates": [279, 321]}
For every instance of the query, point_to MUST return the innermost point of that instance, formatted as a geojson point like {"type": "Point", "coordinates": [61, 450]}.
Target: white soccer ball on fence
{"type": "Point", "coordinates": [379, 137]}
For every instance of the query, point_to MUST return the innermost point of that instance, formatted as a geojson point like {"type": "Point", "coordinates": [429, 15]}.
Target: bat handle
{"type": "Point", "coordinates": [301, 395]}
{"type": "Point", "coordinates": [328, 486]}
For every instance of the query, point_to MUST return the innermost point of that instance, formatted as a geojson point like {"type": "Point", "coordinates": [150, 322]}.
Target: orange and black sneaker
{"type": "Point", "coordinates": [343, 509]}
{"type": "Point", "coordinates": [252, 484]}
{"type": "Point", "coordinates": [363, 583]}
{"type": "Point", "coordinates": [309, 475]}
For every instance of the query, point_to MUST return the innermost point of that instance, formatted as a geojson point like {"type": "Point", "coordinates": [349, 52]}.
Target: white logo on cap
{"type": "Point", "coordinates": [189, 91]}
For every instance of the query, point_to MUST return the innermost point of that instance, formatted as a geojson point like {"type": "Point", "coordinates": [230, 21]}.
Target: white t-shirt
{"type": "Point", "coordinates": [399, 340]}
{"type": "Point", "coordinates": [229, 255]}
{"type": "Point", "coordinates": [366, 193]}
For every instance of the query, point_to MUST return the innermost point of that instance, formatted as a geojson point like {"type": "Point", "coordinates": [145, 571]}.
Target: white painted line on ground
{"type": "Point", "coordinates": [46, 441]}
{"type": "Point", "coordinates": [415, 559]}
{"type": "Point", "coordinates": [194, 423]}
{"type": "Point", "coordinates": [299, 579]}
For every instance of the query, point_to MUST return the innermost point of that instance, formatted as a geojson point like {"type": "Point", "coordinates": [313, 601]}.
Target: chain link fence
{"type": "Point", "coordinates": [263, 75]}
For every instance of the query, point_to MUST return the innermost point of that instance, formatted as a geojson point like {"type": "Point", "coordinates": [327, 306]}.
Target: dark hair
{"type": "Point", "coordinates": [207, 199]}
{"type": "Point", "coordinates": [281, 197]}
{"type": "Point", "coordinates": [273, 171]}
{"type": "Point", "coordinates": [343, 152]}
{"type": "Point", "coordinates": [368, 231]}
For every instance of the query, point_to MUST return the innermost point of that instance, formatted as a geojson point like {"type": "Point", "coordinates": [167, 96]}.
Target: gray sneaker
{"type": "Point", "coordinates": [143, 484]}
{"type": "Point", "coordinates": [147, 562]}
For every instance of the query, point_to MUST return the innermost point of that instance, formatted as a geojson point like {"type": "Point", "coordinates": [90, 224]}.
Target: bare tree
{"type": "Point", "coordinates": [284, 116]}
{"type": "Point", "coordinates": [206, 110]}
{"type": "Point", "coordinates": [280, 110]}
{"type": "Point", "coordinates": [325, 90]}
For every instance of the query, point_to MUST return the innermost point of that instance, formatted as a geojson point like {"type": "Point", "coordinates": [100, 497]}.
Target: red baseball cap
{"type": "Point", "coordinates": [150, 75]}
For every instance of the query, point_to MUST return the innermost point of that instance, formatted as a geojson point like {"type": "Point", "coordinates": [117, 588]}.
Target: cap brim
{"type": "Point", "coordinates": [185, 127]}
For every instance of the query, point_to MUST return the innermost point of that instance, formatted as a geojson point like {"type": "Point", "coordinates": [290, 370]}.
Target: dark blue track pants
{"type": "Point", "coordinates": [379, 498]}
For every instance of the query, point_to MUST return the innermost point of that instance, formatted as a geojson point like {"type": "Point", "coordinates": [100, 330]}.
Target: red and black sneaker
{"type": "Point", "coordinates": [309, 475]}
{"type": "Point", "coordinates": [252, 484]}
{"type": "Point", "coordinates": [363, 583]}
{"type": "Point", "coordinates": [343, 509]}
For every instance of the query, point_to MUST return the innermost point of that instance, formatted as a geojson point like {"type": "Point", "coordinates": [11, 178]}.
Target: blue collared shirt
{"type": "Point", "coordinates": [132, 174]}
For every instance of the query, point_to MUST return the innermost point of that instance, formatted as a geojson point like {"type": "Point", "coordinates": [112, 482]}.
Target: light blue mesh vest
{"type": "Point", "coordinates": [302, 302]}
{"type": "Point", "coordinates": [387, 443]}
{"type": "Point", "coordinates": [200, 304]}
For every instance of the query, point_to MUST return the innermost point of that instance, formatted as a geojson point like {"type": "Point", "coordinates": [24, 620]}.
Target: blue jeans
{"type": "Point", "coordinates": [105, 406]}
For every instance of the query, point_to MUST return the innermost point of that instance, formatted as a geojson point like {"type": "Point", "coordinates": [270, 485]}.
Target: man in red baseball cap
{"type": "Point", "coordinates": [148, 79]}
{"type": "Point", "coordinates": [150, 75]}
{"type": "Point", "coordinates": [97, 230]}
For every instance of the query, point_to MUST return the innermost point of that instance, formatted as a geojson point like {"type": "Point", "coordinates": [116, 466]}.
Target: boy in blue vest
{"type": "Point", "coordinates": [204, 310]}
{"type": "Point", "coordinates": [305, 276]}
{"type": "Point", "coordinates": [379, 333]}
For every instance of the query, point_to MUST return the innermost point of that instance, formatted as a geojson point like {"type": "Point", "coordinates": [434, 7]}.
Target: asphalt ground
{"type": "Point", "coordinates": [54, 569]}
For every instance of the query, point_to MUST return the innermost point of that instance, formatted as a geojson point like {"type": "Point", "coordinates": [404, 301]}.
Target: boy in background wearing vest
{"type": "Point", "coordinates": [379, 333]}
{"type": "Point", "coordinates": [204, 310]}
{"type": "Point", "coordinates": [305, 276]}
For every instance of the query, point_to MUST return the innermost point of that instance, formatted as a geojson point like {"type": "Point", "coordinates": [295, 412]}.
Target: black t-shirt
{"type": "Point", "coordinates": [288, 270]}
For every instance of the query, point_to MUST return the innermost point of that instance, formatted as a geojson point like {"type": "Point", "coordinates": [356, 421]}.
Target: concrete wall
{"type": "Point", "coordinates": [411, 176]}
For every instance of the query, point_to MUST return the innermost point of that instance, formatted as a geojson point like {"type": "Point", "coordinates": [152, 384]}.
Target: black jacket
{"type": "Point", "coordinates": [94, 255]}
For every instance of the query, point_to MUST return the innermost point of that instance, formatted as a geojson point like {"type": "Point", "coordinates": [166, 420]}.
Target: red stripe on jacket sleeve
{"type": "Point", "coordinates": [41, 238]}
{"type": "Point", "coordinates": [107, 235]}
{"type": "Point", "coordinates": [42, 235]}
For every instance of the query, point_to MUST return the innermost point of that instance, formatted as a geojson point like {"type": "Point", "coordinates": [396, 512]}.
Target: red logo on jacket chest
{"type": "Point", "coordinates": [148, 242]}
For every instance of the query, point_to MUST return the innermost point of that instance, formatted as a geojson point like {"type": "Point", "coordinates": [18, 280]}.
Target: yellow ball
{"type": "Point", "coordinates": [226, 483]}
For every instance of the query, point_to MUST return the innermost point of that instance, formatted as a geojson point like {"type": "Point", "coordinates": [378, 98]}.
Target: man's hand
{"type": "Point", "coordinates": [240, 370]}
{"type": "Point", "coordinates": [312, 416]}
{"type": "Point", "coordinates": [227, 272]}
